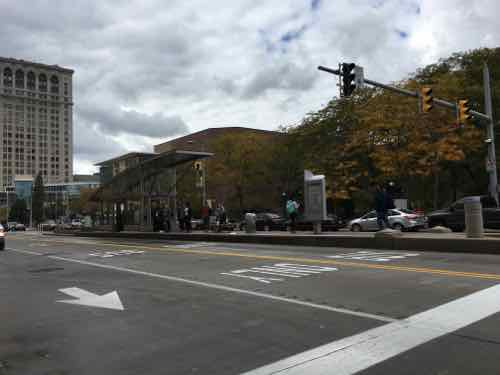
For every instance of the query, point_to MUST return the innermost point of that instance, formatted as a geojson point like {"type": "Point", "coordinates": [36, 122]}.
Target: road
{"type": "Point", "coordinates": [99, 306]}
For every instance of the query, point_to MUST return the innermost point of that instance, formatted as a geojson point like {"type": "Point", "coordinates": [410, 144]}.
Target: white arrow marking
{"type": "Point", "coordinates": [107, 301]}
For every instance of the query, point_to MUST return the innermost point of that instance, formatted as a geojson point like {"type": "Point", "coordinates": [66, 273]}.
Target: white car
{"type": "Point", "coordinates": [76, 224]}
{"type": "Point", "coordinates": [400, 219]}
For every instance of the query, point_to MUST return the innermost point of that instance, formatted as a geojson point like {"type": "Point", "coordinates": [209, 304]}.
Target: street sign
{"type": "Point", "coordinates": [314, 197]}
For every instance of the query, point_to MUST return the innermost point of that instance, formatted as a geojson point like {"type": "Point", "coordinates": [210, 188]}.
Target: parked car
{"type": "Point", "coordinates": [13, 226]}
{"type": "Point", "coordinates": [20, 227]}
{"type": "Point", "coordinates": [197, 224]}
{"type": "Point", "coordinates": [76, 224]}
{"type": "Point", "coordinates": [267, 221]}
{"type": "Point", "coordinates": [49, 225]}
{"type": "Point", "coordinates": [453, 217]}
{"type": "Point", "coordinates": [331, 224]}
{"type": "Point", "coordinates": [400, 219]}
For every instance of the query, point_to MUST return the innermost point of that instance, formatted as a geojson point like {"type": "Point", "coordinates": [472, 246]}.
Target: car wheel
{"type": "Point", "coordinates": [439, 223]}
{"type": "Point", "coordinates": [356, 228]}
{"type": "Point", "coordinates": [398, 226]}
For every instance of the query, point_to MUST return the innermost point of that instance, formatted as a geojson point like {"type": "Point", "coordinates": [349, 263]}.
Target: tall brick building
{"type": "Point", "coordinates": [36, 121]}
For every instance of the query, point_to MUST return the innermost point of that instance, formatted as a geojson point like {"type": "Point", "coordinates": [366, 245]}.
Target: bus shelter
{"type": "Point", "coordinates": [144, 195]}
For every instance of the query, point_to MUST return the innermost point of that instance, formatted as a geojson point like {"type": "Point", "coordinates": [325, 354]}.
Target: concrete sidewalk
{"type": "Point", "coordinates": [421, 241]}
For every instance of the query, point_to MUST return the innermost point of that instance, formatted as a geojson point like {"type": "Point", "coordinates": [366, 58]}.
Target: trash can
{"type": "Point", "coordinates": [250, 222]}
{"type": "Point", "coordinates": [473, 217]}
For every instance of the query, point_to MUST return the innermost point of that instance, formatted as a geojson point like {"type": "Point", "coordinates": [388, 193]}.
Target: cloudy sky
{"type": "Point", "coordinates": [150, 70]}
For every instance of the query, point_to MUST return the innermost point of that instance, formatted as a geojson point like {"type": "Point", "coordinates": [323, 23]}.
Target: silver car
{"type": "Point", "coordinates": [400, 219]}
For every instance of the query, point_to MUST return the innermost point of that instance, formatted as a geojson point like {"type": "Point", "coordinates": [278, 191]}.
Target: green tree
{"type": "Point", "coordinates": [19, 211]}
{"type": "Point", "coordinates": [38, 200]}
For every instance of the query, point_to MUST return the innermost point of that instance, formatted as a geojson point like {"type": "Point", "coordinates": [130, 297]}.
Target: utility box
{"type": "Point", "coordinates": [314, 197]}
{"type": "Point", "coordinates": [473, 217]}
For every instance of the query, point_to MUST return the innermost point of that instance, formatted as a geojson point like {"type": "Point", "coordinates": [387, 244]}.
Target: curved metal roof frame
{"type": "Point", "coordinates": [148, 168]}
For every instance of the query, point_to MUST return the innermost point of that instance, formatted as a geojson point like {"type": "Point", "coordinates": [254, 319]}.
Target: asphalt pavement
{"type": "Point", "coordinates": [108, 306]}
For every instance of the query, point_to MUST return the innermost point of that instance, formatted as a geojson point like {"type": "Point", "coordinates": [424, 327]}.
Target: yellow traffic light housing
{"type": "Point", "coordinates": [426, 99]}
{"type": "Point", "coordinates": [463, 111]}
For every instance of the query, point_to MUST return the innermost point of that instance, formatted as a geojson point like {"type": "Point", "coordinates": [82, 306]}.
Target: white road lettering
{"type": "Point", "coordinates": [220, 287]}
{"type": "Point", "coordinates": [374, 256]}
{"type": "Point", "coordinates": [284, 270]}
{"type": "Point", "coordinates": [192, 245]}
{"type": "Point", "coordinates": [265, 280]}
{"type": "Point", "coordinates": [109, 254]}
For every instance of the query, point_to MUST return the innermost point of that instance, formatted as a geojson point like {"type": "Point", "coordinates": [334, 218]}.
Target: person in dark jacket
{"type": "Point", "coordinates": [188, 214]}
{"type": "Point", "coordinates": [381, 206]}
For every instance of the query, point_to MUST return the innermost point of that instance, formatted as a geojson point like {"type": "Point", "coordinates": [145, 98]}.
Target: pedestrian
{"type": "Point", "coordinates": [180, 216]}
{"type": "Point", "coordinates": [187, 217]}
{"type": "Point", "coordinates": [206, 217]}
{"type": "Point", "coordinates": [292, 209]}
{"type": "Point", "coordinates": [222, 217]}
{"type": "Point", "coordinates": [382, 202]}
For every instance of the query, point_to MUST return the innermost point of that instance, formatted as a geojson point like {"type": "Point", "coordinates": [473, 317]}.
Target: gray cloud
{"type": "Point", "coordinates": [285, 77]}
{"type": "Point", "coordinates": [117, 121]}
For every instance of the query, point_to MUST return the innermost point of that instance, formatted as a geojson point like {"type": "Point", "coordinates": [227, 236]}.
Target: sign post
{"type": "Point", "coordinates": [315, 199]}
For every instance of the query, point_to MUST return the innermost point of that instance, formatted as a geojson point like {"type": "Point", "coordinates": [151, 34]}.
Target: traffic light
{"type": "Point", "coordinates": [426, 99]}
{"type": "Point", "coordinates": [463, 111]}
{"type": "Point", "coordinates": [348, 78]}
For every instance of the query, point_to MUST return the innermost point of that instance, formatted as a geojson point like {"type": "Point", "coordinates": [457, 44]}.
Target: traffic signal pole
{"type": "Point", "coordinates": [488, 117]}
{"type": "Point", "coordinates": [492, 159]}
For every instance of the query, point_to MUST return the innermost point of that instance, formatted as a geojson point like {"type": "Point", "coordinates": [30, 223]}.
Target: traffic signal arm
{"type": "Point", "coordinates": [415, 94]}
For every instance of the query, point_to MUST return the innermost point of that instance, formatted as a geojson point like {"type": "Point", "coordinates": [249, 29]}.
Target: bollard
{"type": "Point", "coordinates": [473, 217]}
{"type": "Point", "coordinates": [250, 222]}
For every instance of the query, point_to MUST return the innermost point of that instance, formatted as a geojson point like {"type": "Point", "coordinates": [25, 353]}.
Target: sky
{"type": "Point", "coordinates": [147, 71]}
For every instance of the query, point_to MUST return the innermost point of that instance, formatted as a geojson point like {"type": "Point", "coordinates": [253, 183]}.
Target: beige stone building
{"type": "Point", "coordinates": [36, 121]}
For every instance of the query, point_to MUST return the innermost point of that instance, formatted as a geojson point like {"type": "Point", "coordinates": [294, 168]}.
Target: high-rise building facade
{"type": "Point", "coordinates": [36, 121]}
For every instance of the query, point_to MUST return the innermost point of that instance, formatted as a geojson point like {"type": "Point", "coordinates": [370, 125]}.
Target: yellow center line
{"type": "Point", "coordinates": [215, 252]}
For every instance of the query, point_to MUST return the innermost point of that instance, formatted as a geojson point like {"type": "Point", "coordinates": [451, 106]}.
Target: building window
{"type": "Point", "coordinates": [54, 85]}
{"type": "Point", "coordinates": [7, 77]}
{"type": "Point", "coordinates": [31, 81]}
{"type": "Point", "coordinates": [42, 82]}
{"type": "Point", "coordinates": [19, 79]}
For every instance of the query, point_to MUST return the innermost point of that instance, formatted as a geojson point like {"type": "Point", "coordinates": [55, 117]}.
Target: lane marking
{"type": "Point", "coordinates": [219, 287]}
{"type": "Point", "coordinates": [290, 270]}
{"type": "Point", "coordinates": [431, 271]}
{"type": "Point", "coordinates": [359, 352]}
{"type": "Point", "coordinates": [110, 254]}
{"type": "Point", "coordinates": [83, 297]}
{"type": "Point", "coordinates": [374, 256]}
{"type": "Point", "coordinates": [193, 245]}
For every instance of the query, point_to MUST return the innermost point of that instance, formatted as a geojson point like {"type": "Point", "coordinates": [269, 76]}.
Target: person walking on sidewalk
{"type": "Point", "coordinates": [187, 217]}
{"type": "Point", "coordinates": [381, 207]}
{"type": "Point", "coordinates": [292, 209]}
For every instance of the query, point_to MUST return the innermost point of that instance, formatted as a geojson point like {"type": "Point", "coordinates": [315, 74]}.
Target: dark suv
{"type": "Point", "coordinates": [267, 220]}
{"type": "Point", "coordinates": [453, 217]}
